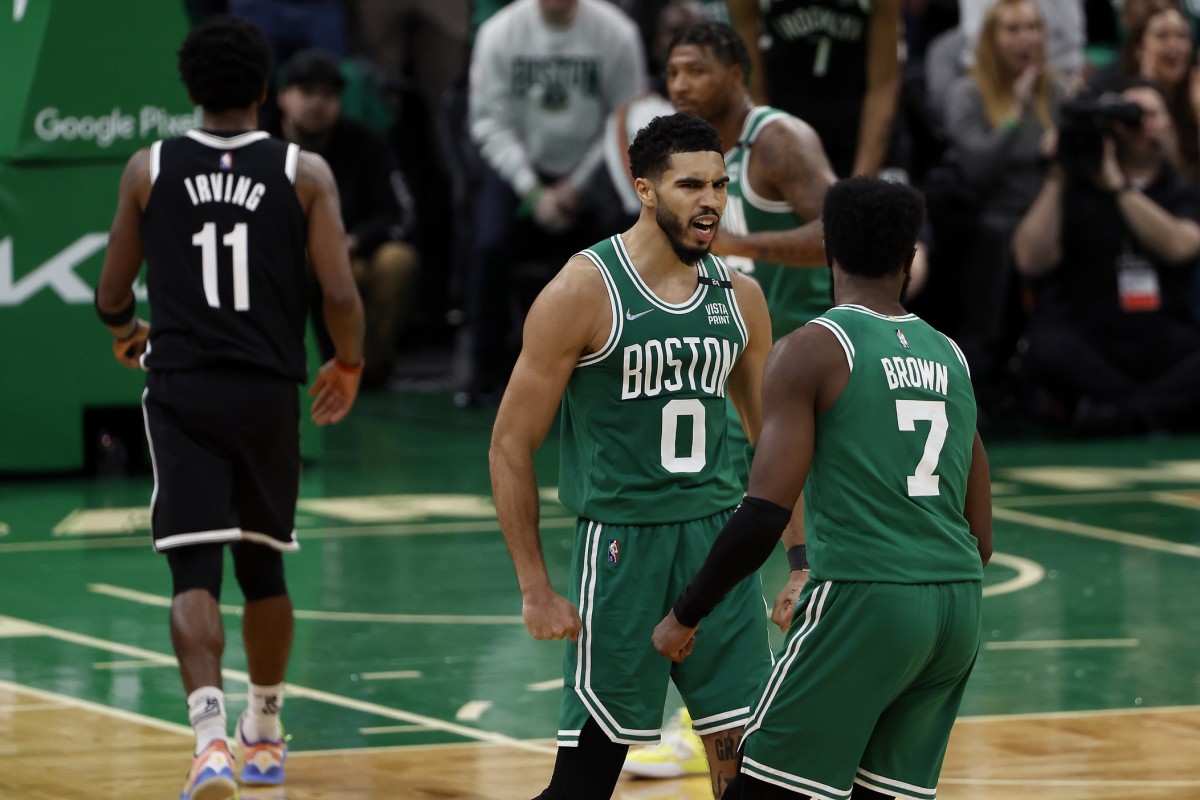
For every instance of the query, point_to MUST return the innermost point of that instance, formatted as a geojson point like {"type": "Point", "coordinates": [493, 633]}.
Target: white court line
{"type": "Point", "coordinates": [1095, 712]}
{"type": "Point", "coordinates": [99, 708]}
{"type": "Point", "coordinates": [1098, 783]}
{"type": "Point", "coordinates": [1180, 499]}
{"type": "Point", "coordinates": [293, 691]}
{"type": "Point", "coordinates": [391, 729]}
{"type": "Point", "coordinates": [545, 686]}
{"type": "Point", "coordinates": [396, 675]}
{"type": "Point", "coordinates": [1028, 573]}
{"type": "Point", "coordinates": [128, 665]}
{"type": "Point", "coordinates": [9, 709]}
{"type": "Point", "coordinates": [1096, 532]}
{"type": "Point", "coordinates": [350, 532]}
{"type": "Point", "coordinates": [547, 747]}
{"type": "Point", "coordinates": [1072, 498]}
{"type": "Point", "coordinates": [1060, 644]}
{"type": "Point", "coordinates": [162, 601]}
{"type": "Point", "coordinates": [473, 711]}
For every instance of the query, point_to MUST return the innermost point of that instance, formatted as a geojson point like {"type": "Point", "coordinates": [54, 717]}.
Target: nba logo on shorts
{"type": "Point", "coordinates": [900, 336]}
{"type": "Point", "coordinates": [614, 551]}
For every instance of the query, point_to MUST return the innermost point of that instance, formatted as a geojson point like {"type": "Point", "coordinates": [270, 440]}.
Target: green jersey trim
{"type": "Point", "coordinates": [902, 318]}
{"type": "Point", "coordinates": [840, 334]}
{"type": "Point", "coordinates": [876, 314]}
{"type": "Point", "coordinates": [671, 308]}
{"type": "Point", "coordinates": [958, 352]}
{"type": "Point", "coordinates": [758, 118]}
{"type": "Point", "coordinates": [614, 302]}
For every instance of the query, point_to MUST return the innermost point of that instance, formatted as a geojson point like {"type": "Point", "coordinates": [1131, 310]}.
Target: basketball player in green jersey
{"type": "Point", "coordinates": [778, 175]}
{"type": "Point", "coordinates": [642, 337]}
{"type": "Point", "coordinates": [870, 410]}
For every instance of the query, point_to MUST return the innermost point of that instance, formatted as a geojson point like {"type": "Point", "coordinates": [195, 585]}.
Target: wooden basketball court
{"type": "Point", "coordinates": [413, 677]}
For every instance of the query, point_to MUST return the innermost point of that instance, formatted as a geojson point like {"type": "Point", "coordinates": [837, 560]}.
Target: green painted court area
{"type": "Point", "coordinates": [409, 627]}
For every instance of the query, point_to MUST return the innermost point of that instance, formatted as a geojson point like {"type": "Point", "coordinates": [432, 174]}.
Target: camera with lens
{"type": "Point", "coordinates": [1083, 124]}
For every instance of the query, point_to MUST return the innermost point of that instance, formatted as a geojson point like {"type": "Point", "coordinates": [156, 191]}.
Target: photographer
{"type": "Point", "coordinates": [1114, 244]}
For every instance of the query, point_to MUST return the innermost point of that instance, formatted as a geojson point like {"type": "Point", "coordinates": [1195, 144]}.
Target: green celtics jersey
{"type": "Point", "coordinates": [644, 434]}
{"type": "Point", "coordinates": [794, 294]}
{"type": "Point", "coordinates": [884, 499]}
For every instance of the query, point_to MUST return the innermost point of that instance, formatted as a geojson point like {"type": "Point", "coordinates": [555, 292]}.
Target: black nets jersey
{"type": "Point", "coordinates": [816, 46]}
{"type": "Point", "coordinates": [224, 238]}
{"type": "Point", "coordinates": [815, 57]}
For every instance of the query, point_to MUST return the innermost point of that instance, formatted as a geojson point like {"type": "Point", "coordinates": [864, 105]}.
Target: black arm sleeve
{"type": "Point", "coordinates": [743, 545]}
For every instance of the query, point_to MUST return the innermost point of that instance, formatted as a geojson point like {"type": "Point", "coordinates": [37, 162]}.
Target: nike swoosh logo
{"type": "Point", "coordinates": [631, 317]}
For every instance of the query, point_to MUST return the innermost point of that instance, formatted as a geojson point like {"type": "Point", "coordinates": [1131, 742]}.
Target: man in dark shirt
{"type": "Point", "coordinates": [1115, 254]}
{"type": "Point", "coordinates": [376, 205]}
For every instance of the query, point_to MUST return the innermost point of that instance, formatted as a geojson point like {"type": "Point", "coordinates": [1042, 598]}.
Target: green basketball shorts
{"type": "Point", "coordinates": [625, 579]}
{"type": "Point", "coordinates": [866, 689]}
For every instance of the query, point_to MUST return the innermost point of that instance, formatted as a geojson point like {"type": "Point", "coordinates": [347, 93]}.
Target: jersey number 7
{"type": "Point", "coordinates": [923, 483]}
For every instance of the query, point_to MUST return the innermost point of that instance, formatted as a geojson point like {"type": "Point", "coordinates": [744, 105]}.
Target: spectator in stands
{"type": "Point", "coordinates": [1159, 49]}
{"type": "Point", "coordinates": [294, 25]}
{"type": "Point", "coordinates": [377, 207]}
{"type": "Point", "coordinates": [951, 55]}
{"type": "Point", "coordinates": [624, 123]}
{"type": "Point", "coordinates": [1115, 250]}
{"type": "Point", "coordinates": [997, 119]}
{"type": "Point", "coordinates": [545, 75]}
{"type": "Point", "coordinates": [429, 38]}
{"type": "Point", "coordinates": [1062, 26]}
{"type": "Point", "coordinates": [834, 65]}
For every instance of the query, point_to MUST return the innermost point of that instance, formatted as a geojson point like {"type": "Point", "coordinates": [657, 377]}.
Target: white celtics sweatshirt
{"type": "Point", "coordinates": [540, 95]}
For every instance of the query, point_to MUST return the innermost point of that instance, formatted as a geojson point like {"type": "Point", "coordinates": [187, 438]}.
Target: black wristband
{"type": "Point", "coordinates": [118, 318]}
{"type": "Point", "coordinates": [798, 558]}
{"type": "Point", "coordinates": [744, 544]}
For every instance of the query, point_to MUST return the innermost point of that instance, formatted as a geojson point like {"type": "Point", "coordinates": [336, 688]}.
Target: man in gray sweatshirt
{"type": "Point", "coordinates": [544, 76]}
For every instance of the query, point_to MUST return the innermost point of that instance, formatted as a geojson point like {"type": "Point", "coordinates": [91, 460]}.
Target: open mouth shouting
{"type": "Point", "coordinates": [705, 226]}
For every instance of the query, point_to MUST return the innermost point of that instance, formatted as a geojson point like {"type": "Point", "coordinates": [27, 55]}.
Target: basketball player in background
{"type": "Point", "coordinates": [223, 217]}
{"type": "Point", "coordinates": [641, 337]}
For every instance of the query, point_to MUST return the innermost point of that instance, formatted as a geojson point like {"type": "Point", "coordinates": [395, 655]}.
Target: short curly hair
{"type": "Point", "coordinates": [652, 148]}
{"type": "Point", "coordinates": [225, 62]}
{"type": "Point", "coordinates": [723, 40]}
{"type": "Point", "coordinates": [871, 226]}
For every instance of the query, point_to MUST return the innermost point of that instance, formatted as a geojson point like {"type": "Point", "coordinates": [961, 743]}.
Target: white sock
{"type": "Point", "coordinates": [206, 712]}
{"type": "Point", "coordinates": [262, 713]}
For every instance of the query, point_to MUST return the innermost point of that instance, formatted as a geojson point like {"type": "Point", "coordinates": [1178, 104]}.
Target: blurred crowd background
{"type": "Point", "coordinates": [1057, 143]}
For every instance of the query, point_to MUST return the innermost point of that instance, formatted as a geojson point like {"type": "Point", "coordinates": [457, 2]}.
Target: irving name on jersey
{"type": "Point", "coordinates": [217, 187]}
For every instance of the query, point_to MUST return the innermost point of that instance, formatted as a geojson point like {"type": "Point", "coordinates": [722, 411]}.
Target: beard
{"type": "Point", "coordinates": [675, 230]}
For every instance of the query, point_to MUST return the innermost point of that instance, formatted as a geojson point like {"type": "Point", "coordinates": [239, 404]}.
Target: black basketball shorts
{"type": "Point", "coordinates": [225, 446]}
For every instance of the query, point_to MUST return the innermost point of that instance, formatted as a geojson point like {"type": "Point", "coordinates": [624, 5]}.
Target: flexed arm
{"type": "Point", "coordinates": [561, 325]}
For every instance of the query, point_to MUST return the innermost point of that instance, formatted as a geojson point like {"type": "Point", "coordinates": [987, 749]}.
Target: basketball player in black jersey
{"type": "Point", "coordinates": [833, 64]}
{"type": "Point", "coordinates": [223, 217]}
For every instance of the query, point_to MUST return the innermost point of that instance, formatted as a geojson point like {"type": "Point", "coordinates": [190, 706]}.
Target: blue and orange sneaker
{"type": "Point", "coordinates": [262, 761]}
{"type": "Point", "coordinates": [211, 777]}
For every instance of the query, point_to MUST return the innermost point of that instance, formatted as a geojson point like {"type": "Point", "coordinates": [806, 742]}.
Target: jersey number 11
{"type": "Point", "coordinates": [206, 240]}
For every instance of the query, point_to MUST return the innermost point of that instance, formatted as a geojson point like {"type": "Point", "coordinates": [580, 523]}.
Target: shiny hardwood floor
{"type": "Point", "coordinates": [56, 748]}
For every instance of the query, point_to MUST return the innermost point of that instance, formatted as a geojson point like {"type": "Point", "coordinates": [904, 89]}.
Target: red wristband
{"type": "Point", "coordinates": [353, 369]}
